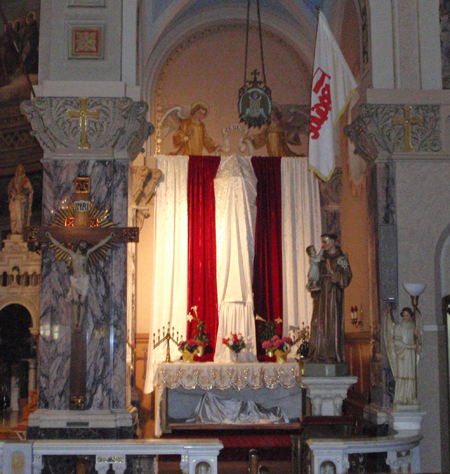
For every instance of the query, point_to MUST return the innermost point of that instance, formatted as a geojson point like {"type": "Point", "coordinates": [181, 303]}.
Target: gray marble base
{"type": "Point", "coordinates": [323, 369]}
{"type": "Point", "coordinates": [92, 424]}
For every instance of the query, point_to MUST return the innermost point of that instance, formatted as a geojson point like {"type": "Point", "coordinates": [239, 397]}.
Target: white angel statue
{"type": "Point", "coordinates": [404, 346]}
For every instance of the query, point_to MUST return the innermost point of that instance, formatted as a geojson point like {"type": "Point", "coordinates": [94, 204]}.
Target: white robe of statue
{"type": "Point", "coordinates": [405, 346]}
{"type": "Point", "coordinates": [235, 193]}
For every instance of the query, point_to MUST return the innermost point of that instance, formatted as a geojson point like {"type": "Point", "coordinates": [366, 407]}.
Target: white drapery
{"type": "Point", "coordinates": [169, 296]}
{"type": "Point", "coordinates": [235, 194]}
{"type": "Point", "coordinates": [301, 225]}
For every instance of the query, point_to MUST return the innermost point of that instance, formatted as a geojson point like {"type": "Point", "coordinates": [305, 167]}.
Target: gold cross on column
{"type": "Point", "coordinates": [84, 114]}
{"type": "Point", "coordinates": [407, 121]}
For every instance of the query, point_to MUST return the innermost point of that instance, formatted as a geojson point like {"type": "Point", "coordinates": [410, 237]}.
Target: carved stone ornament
{"type": "Point", "coordinates": [331, 190]}
{"type": "Point", "coordinates": [118, 132]}
{"type": "Point", "coordinates": [144, 183]}
{"type": "Point", "coordinates": [378, 129]}
{"type": "Point", "coordinates": [365, 143]}
{"type": "Point", "coordinates": [331, 194]}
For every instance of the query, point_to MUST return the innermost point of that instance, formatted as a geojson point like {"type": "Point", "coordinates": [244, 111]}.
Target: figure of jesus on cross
{"type": "Point", "coordinates": [79, 281]}
{"type": "Point", "coordinates": [81, 235]}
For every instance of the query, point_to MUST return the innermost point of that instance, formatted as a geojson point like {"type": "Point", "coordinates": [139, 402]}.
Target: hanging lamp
{"type": "Point", "coordinates": [255, 102]}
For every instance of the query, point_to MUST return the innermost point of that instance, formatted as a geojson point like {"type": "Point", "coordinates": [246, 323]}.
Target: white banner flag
{"type": "Point", "coordinates": [332, 87]}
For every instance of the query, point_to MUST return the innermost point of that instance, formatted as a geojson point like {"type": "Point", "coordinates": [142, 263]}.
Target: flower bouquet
{"type": "Point", "coordinates": [235, 343]}
{"type": "Point", "coordinates": [188, 349]}
{"type": "Point", "coordinates": [266, 331]}
{"type": "Point", "coordinates": [200, 334]}
{"type": "Point", "coordinates": [278, 347]}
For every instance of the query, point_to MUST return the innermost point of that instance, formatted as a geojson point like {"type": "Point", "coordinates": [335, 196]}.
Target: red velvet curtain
{"type": "Point", "coordinates": [202, 280]}
{"type": "Point", "coordinates": [268, 276]}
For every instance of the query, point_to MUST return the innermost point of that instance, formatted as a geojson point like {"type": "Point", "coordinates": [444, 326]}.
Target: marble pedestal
{"type": "Point", "coordinates": [327, 393]}
{"type": "Point", "coordinates": [88, 424]}
{"type": "Point", "coordinates": [406, 418]}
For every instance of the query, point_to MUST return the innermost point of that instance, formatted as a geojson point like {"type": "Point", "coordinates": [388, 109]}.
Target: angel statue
{"type": "Point", "coordinates": [404, 346]}
{"type": "Point", "coordinates": [190, 137]}
{"type": "Point", "coordinates": [79, 281]}
{"type": "Point", "coordinates": [287, 123]}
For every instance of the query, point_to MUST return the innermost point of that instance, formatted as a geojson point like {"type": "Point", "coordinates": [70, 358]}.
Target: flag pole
{"type": "Point", "coordinates": [358, 88]}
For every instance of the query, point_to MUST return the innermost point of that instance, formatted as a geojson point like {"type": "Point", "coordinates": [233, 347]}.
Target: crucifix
{"type": "Point", "coordinates": [81, 235]}
{"type": "Point", "coordinates": [83, 114]}
{"type": "Point", "coordinates": [407, 121]}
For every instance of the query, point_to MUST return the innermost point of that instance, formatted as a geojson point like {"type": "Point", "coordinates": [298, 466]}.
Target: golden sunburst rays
{"type": "Point", "coordinates": [65, 217]}
{"type": "Point", "coordinates": [62, 215]}
{"type": "Point", "coordinates": [100, 217]}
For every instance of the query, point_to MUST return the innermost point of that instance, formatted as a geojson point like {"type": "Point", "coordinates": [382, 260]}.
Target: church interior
{"type": "Point", "coordinates": [131, 111]}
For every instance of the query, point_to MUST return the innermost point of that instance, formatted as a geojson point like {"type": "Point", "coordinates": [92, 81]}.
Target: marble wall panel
{"type": "Point", "coordinates": [105, 319]}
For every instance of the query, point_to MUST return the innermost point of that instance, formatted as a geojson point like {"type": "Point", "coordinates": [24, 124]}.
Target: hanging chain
{"type": "Point", "coordinates": [246, 42]}
{"type": "Point", "coordinates": [260, 42]}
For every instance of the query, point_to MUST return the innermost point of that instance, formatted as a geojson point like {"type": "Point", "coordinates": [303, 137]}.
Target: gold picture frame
{"type": "Point", "coordinates": [86, 41]}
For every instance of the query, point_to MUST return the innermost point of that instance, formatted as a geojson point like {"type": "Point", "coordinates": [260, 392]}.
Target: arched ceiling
{"type": "Point", "coordinates": [166, 23]}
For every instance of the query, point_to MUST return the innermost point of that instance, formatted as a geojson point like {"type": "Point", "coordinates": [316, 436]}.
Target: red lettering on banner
{"type": "Point", "coordinates": [323, 106]}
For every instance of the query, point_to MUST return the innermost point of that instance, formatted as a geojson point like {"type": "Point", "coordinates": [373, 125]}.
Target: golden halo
{"type": "Point", "coordinates": [199, 104]}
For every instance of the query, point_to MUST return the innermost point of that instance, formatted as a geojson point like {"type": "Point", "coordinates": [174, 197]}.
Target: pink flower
{"type": "Point", "coordinates": [275, 338]}
{"type": "Point", "coordinates": [278, 343]}
{"type": "Point", "coordinates": [192, 342]}
{"type": "Point", "coordinates": [288, 340]}
{"type": "Point", "coordinates": [266, 345]}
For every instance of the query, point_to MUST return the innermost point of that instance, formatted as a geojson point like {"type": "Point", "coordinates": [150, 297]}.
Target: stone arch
{"type": "Point", "coordinates": [29, 303]}
{"type": "Point", "coordinates": [168, 41]}
{"type": "Point", "coordinates": [17, 349]}
{"type": "Point", "coordinates": [441, 277]}
{"type": "Point", "coordinates": [442, 299]}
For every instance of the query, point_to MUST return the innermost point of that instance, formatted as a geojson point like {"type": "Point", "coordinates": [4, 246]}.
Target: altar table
{"type": "Point", "coordinates": [179, 387]}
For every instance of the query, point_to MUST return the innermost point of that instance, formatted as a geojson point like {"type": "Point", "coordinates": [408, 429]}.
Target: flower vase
{"type": "Point", "coordinates": [188, 356]}
{"type": "Point", "coordinates": [236, 357]}
{"type": "Point", "coordinates": [201, 349]}
{"type": "Point", "coordinates": [281, 355]}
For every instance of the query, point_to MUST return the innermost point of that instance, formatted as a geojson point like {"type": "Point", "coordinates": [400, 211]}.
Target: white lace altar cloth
{"type": "Point", "coordinates": [222, 376]}
{"type": "Point", "coordinates": [209, 375]}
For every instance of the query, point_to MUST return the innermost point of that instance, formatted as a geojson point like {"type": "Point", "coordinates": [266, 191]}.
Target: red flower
{"type": "Point", "coordinates": [225, 340]}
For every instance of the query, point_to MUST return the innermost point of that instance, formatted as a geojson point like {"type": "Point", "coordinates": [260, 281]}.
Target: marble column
{"type": "Point", "coordinates": [114, 136]}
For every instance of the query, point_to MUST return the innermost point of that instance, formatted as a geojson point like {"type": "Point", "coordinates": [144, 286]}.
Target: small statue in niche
{"type": "Point", "coordinates": [327, 467]}
{"type": "Point", "coordinates": [79, 281]}
{"type": "Point", "coordinates": [202, 468]}
{"type": "Point", "coordinates": [404, 346]}
{"type": "Point", "coordinates": [18, 463]}
{"type": "Point", "coordinates": [20, 198]}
